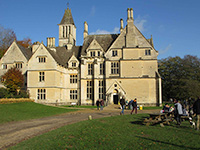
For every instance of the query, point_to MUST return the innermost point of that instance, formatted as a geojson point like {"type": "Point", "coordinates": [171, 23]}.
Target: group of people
{"type": "Point", "coordinates": [133, 103]}
{"type": "Point", "coordinates": [184, 110]}
{"type": "Point", "coordinates": [100, 103]}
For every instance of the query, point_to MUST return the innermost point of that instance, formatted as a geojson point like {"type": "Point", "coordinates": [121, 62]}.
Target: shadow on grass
{"type": "Point", "coordinates": [139, 121]}
{"type": "Point", "coordinates": [168, 143]}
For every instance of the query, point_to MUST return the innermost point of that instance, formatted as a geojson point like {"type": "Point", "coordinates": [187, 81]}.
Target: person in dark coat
{"type": "Point", "coordinates": [134, 104]}
{"type": "Point", "coordinates": [123, 105]}
{"type": "Point", "coordinates": [97, 103]}
{"type": "Point", "coordinates": [196, 109]}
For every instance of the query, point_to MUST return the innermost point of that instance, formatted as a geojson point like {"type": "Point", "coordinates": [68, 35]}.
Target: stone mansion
{"type": "Point", "coordinates": [106, 66]}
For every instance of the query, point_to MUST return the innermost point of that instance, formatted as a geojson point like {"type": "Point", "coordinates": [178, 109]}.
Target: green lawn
{"type": "Point", "coordinates": [118, 132]}
{"type": "Point", "coordinates": [27, 110]}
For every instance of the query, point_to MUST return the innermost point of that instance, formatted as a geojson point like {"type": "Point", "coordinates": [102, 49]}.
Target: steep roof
{"type": "Point", "coordinates": [105, 41]}
{"type": "Point", "coordinates": [26, 51]}
{"type": "Point", "coordinates": [62, 55]}
{"type": "Point", "coordinates": [67, 18]}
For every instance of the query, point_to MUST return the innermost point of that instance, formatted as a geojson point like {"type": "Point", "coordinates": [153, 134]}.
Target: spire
{"type": "Point", "coordinates": [67, 18]}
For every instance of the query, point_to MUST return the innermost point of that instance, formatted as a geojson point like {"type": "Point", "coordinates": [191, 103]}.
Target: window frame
{"type": "Point", "coordinates": [42, 59]}
{"type": "Point", "coordinates": [73, 78]}
{"type": "Point", "coordinates": [101, 89]}
{"type": "Point", "coordinates": [114, 53]}
{"type": "Point", "coordinates": [148, 52]}
{"type": "Point", "coordinates": [101, 68]}
{"type": "Point", "coordinates": [114, 67]}
{"type": "Point", "coordinates": [90, 86]}
{"type": "Point", "coordinates": [41, 94]}
{"type": "Point", "coordinates": [73, 94]}
{"type": "Point", "coordinates": [90, 69]}
{"type": "Point", "coordinates": [41, 76]}
{"type": "Point", "coordinates": [4, 66]}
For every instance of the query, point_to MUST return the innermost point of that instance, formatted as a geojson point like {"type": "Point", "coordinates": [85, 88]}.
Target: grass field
{"type": "Point", "coordinates": [118, 132]}
{"type": "Point", "coordinates": [27, 110]}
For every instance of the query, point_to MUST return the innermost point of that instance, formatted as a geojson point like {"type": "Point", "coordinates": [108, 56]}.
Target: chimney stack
{"type": "Point", "coordinates": [85, 34]}
{"type": "Point", "coordinates": [50, 42]}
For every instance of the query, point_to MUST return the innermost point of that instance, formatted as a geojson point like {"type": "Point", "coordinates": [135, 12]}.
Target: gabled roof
{"type": "Point", "coordinates": [104, 40]}
{"type": "Point", "coordinates": [62, 55]}
{"type": "Point", "coordinates": [26, 51]}
{"type": "Point", "coordinates": [67, 18]}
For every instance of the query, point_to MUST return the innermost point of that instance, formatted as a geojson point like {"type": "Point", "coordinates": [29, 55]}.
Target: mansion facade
{"type": "Point", "coordinates": [106, 66]}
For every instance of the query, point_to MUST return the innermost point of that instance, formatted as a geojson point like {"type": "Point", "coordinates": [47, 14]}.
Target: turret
{"type": "Point", "coordinates": [67, 30]}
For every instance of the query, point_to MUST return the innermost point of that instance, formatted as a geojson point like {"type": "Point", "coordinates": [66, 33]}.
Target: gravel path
{"type": "Point", "coordinates": [15, 132]}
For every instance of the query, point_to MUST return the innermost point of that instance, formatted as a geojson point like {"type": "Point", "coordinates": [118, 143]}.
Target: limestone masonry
{"type": "Point", "coordinates": [106, 66]}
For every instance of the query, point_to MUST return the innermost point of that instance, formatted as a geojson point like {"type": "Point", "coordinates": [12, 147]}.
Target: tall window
{"type": "Point", "coordinates": [18, 65]}
{"type": "Point", "coordinates": [73, 78]}
{"type": "Point", "coordinates": [41, 94]}
{"type": "Point", "coordinates": [102, 68]}
{"type": "Point", "coordinates": [101, 89]}
{"type": "Point", "coordinates": [114, 53]}
{"type": "Point", "coordinates": [90, 69]}
{"type": "Point", "coordinates": [147, 52]}
{"type": "Point", "coordinates": [42, 59]}
{"type": "Point", "coordinates": [115, 68]}
{"type": "Point", "coordinates": [63, 31]}
{"type": "Point", "coordinates": [73, 94]}
{"type": "Point", "coordinates": [89, 90]}
{"type": "Point", "coordinates": [41, 76]}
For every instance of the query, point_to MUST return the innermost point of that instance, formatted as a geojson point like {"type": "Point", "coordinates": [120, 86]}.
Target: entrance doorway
{"type": "Point", "coordinates": [115, 99]}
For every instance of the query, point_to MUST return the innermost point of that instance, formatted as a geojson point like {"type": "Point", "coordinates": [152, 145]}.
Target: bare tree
{"type": "Point", "coordinates": [7, 36]}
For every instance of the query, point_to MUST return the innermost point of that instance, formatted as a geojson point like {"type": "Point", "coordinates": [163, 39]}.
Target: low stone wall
{"type": "Point", "coordinates": [14, 100]}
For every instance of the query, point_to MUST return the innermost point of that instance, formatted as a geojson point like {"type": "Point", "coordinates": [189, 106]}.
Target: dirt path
{"type": "Point", "coordinates": [15, 132]}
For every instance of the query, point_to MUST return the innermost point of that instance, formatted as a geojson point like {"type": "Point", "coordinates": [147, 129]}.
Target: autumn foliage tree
{"type": "Point", "coordinates": [13, 80]}
{"type": "Point", "coordinates": [26, 42]}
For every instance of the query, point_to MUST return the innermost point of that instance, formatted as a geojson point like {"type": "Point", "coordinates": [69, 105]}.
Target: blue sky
{"type": "Point", "coordinates": [174, 24]}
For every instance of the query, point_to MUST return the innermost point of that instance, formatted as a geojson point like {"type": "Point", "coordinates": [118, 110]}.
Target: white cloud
{"type": "Point", "coordinates": [140, 23]}
{"type": "Point", "coordinates": [99, 31]}
{"type": "Point", "coordinates": [166, 49]}
{"type": "Point", "coordinates": [93, 10]}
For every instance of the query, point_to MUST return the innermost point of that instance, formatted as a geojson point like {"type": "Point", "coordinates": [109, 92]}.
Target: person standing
{"type": "Point", "coordinates": [102, 104]}
{"type": "Point", "coordinates": [123, 105]}
{"type": "Point", "coordinates": [196, 109]}
{"type": "Point", "coordinates": [178, 111]}
{"type": "Point", "coordinates": [134, 104]}
{"type": "Point", "coordinates": [97, 103]}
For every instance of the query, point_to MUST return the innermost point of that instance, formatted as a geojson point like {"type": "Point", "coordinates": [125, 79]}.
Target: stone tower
{"type": "Point", "coordinates": [67, 30]}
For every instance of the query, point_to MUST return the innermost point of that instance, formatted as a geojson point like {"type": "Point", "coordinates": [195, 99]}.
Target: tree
{"type": "Point", "coordinates": [7, 36]}
{"type": "Point", "coordinates": [13, 79]}
{"type": "Point", "coordinates": [180, 77]}
{"type": "Point", "coordinates": [26, 42]}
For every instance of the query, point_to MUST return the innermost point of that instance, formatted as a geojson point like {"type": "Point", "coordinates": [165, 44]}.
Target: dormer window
{"type": "Point", "coordinates": [41, 59]}
{"type": "Point", "coordinates": [147, 52]}
{"type": "Point", "coordinates": [114, 53]}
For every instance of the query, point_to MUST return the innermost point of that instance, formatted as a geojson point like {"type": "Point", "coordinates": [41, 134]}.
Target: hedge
{"type": "Point", "coordinates": [14, 100]}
